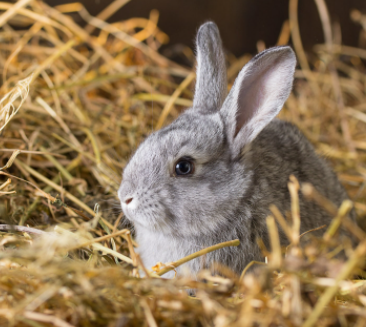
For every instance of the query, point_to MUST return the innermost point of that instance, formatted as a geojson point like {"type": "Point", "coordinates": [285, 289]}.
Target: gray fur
{"type": "Point", "coordinates": [243, 159]}
{"type": "Point", "coordinates": [211, 83]}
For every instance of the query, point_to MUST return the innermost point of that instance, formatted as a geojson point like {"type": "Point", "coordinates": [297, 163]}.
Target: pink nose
{"type": "Point", "coordinates": [129, 200]}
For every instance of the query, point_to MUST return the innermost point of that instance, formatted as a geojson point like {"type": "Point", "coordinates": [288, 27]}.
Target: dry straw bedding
{"type": "Point", "coordinates": [75, 102]}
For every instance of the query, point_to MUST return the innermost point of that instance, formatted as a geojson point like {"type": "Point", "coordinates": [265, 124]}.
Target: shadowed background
{"type": "Point", "coordinates": [241, 22]}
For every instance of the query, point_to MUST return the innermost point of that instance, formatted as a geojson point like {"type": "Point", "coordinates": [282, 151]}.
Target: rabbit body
{"type": "Point", "coordinates": [211, 175]}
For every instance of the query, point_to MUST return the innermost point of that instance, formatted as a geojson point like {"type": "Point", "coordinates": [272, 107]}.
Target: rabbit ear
{"type": "Point", "coordinates": [257, 96]}
{"type": "Point", "coordinates": [211, 83]}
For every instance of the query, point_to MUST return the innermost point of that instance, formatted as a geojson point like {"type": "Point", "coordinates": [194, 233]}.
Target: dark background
{"type": "Point", "coordinates": [241, 22]}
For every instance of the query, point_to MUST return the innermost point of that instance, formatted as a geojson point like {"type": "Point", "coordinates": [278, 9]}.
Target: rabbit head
{"type": "Point", "coordinates": [188, 178]}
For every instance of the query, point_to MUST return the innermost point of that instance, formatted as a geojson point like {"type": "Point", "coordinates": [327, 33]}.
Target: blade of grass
{"type": "Point", "coordinates": [172, 265]}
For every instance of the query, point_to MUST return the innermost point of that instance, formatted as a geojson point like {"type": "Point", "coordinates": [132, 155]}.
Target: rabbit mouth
{"type": "Point", "coordinates": [154, 222]}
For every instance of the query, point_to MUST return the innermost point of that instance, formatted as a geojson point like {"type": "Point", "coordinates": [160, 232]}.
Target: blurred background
{"type": "Point", "coordinates": [241, 22]}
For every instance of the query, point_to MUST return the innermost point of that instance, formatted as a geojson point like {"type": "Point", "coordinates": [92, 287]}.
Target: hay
{"type": "Point", "coordinates": [75, 104]}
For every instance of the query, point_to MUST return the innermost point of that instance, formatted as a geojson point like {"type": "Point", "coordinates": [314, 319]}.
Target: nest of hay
{"type": "Point", "coordinates": [75, 102]}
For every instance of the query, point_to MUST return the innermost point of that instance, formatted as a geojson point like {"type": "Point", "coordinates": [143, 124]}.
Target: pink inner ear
{"type": "Point", "coordinates": [257, 96]}
{"type": "Point", "coordinates": [261, 92]}
{"type": "Point", "coordinates": [252, 95]}
{"type": "Point", "coordinates": [245, 110]}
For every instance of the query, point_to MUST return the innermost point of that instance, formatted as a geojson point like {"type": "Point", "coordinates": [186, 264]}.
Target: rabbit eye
{"type": "Point", "coordinates": [184, 167]}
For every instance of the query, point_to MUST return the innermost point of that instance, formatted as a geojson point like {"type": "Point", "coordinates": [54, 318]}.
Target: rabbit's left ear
{"type": "Point", "coordinates": [211, 82]}
{"type": "Point", "coordinates": [257, 96]}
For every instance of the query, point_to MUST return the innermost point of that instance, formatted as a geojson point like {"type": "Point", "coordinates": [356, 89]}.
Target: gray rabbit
{"type": "Point", "coordinates": [211, 175]}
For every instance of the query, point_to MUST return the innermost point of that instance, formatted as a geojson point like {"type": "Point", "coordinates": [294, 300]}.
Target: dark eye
{"type": "Point", "coordinates": [184, 166]}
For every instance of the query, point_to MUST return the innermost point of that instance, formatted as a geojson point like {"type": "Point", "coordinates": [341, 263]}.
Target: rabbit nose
{"type": "Point", "coordinates": [128, 200]}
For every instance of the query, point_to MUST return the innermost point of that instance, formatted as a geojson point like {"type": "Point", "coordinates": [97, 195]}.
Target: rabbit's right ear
{"type": "Point", "coordinates": [257, 96]}
{"type": "Point", "coordinates": [211, 81]}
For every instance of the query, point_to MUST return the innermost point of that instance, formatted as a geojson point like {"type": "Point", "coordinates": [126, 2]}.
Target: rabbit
{"type": "Point", "coordinates": [211, 175]}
